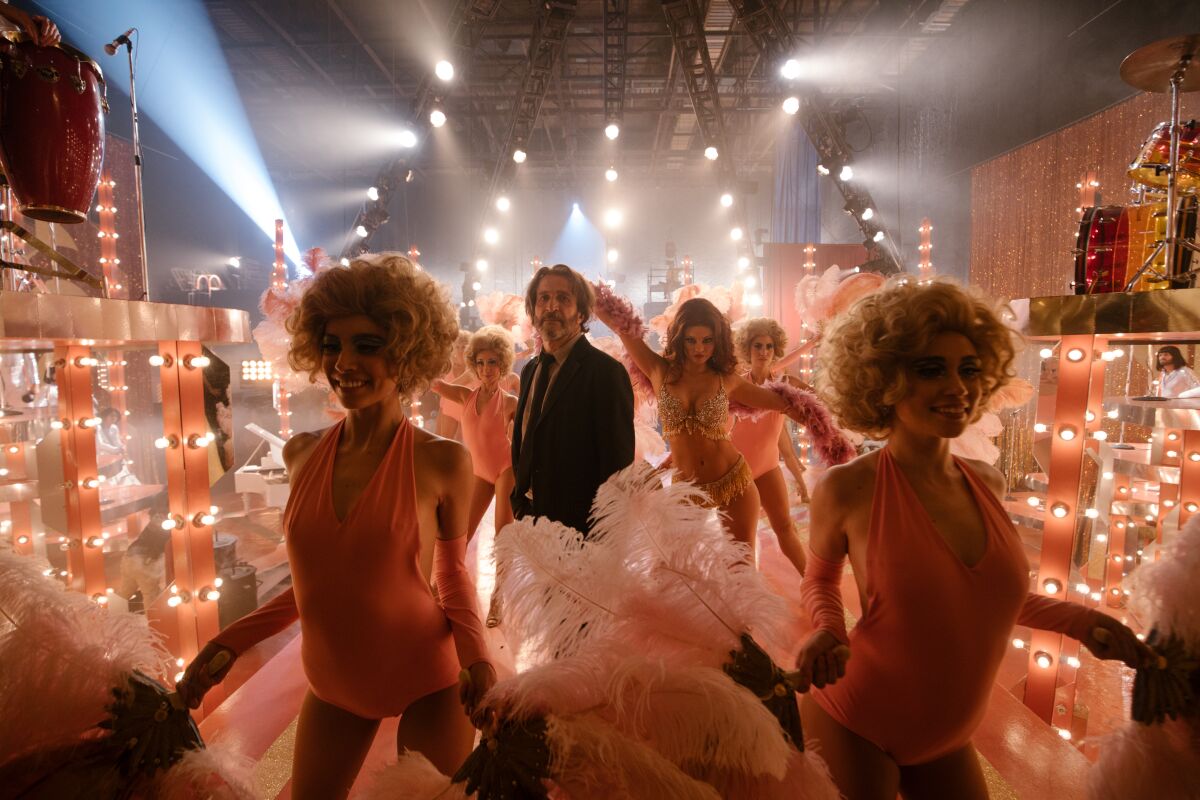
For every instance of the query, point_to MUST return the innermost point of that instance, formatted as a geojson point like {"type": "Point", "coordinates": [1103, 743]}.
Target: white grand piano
{"type": "Point", "coordinates": [269, 476]}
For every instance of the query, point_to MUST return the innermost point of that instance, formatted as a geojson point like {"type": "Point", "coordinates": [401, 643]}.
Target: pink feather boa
{"type": "Point", "coordinates": [830, 443]}
{"type": "Point", "coordinates": [626, 322]}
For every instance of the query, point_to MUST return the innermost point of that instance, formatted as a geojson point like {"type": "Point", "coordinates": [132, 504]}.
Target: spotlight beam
{"type": "Point", "coordinates": [773, 40]}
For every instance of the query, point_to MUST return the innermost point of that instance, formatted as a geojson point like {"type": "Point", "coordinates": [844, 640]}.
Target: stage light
{"type": "Point", "coordinates": [749, 281]}
{"type": "Point", "coordinates": [406, 138]}
{"type": "Point", "coordinates": [867, 213]}
{"type": "Point", "coordinates": [613, 255]}
{"type": "Point", "coordinates": [791, 105]}
{"type": "Point", "coordinates": [727, 199]}
{"type": "Point", "coordinates": [503, 203]}
{"type": "Point", "coordinates": [234, 262]}
{"type": "Point", "coordinates": [878, 237]}
{"type": "Point", "coordinates": [710, 153]}
{"type": "Point", "coordinates": [481, 265]}
{"type": "Point", "coordinates": [491, 235]}
{"type": "Point", "coordinates": [519, 156]}
{"type": "Point", "coordinates": [743, 262]}
{"type": "Point", "coordinates": [790, 69]}
{"type": "Point", "coordinates": [444, 70]}
{"type": "Point", "coordinates": [754, 300]}
{"type": "Point", "coordinates": [822, 169]}
{"type": "Point", "coordinates": [847, 173]}
{"type": "Point", "coordinates": [736, 234]}
{"type": "Point", "coordinates": [437, 118]}
{"type": "Point", "coordinates": [372, 194]}
{"type": "Point", "coordinates": [612, 131]}
{"type": "Point", "coordinates": [613, 218]}
{"type": "Point", "coordinates": [610, 174]}
{"type": "Point", "coordinates": [345, 262]}
{"type": "Point", "coordinates": [360, 231]}
{"type": "Point", "coordinates": [476, 285]}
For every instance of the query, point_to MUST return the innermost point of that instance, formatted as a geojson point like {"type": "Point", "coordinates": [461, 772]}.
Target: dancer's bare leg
{"type": "Point", "coordinates": [437, 727]}
{"type": "Point", "coordinates": [860, 769]}
{"type": "Point", "coordinates": [331, 744]}
{"type": "Point", "coordinates": [481, 498]}
{"type": "Point", "coordinates": [504, 515]}
{"type": "Point", "coordinates": [740, 516]}
{"type": "Point", "coordinates": [773, 493]}
{"type": "Point", "coordinates": [955, 775]}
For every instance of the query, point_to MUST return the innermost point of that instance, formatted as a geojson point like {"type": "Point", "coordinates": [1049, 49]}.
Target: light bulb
{"type": "Point", "coordinates": [867, 213]}
{"type": "Point", "coordinates": [444, 70]}
{"type": "Point", "coordinates": [791, 69]}
{"type": "Point", "coordinates": [847, 173]}
{"type": "Point", "coordinates": [736, 234]}
{"type": "Point", "coordinates": [1066, 433]}
{"type": "Point", "coordinates": [407, 139]}
{"type": "Point", "coordinates": [1051, 586]}
{"type": "Point", "coordinates": [1040, 427]}
{"type": "Point", "coordinates": [481, 265]}
{"type": "Point", "coordinates": [1075, 354]}
{"type": "Point", "coordinates": [519, 156]}
{"type": "Point", "coordinates": [372, 193]}
{"type": "Point", "coordinates": [491, 235]}
{"type": "Point", "coordinates": [1018, 643]}
{"type": "Point", "coordinates": [1043, 659]}
{"type": "Point", "coordinates": [612, 131]}
{"type": "Point", "coordinates": [791, 105]}
{"type": "Point", "coordinates": [710, 153]}
{"type": "Point", "coordinates": [437, 118]}
{"type": "Point", "coordinates": [726, 199]}
{"type": "Point", "coordinates": [503, 203]}
{"type": "Point", "coordinates": [610, 174]}
{"type": "Point", "coordinates": [360, 231]}
{"type": "Point", "coordinates": [1060, 510]}
{"type": "Point", "coordinates": [196, 362]}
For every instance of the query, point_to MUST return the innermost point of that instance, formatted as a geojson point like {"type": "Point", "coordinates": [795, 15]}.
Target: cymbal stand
{"type": "Point", "coordinates": [1170, 240]}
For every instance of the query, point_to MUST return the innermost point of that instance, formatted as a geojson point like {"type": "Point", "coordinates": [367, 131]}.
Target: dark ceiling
{"type": "Point", "coordinates": [293, 59]}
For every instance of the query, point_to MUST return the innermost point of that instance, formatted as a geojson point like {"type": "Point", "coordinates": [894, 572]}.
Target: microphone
{"type": "Point", "coordinates": [111, 47]}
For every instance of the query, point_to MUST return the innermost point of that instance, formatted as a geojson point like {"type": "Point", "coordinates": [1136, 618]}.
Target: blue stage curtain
{"type": "Point", "coordinates": [796, 214]}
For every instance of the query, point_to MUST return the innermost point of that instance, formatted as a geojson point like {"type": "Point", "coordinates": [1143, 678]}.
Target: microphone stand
{"type": "Point", "coordinates": [137, 172]}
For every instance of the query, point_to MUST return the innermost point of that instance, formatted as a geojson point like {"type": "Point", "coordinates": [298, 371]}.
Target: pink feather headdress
{"type": "Point", "coordinates": [820, 298]}
{"type": "Point", "coordinates": [507, 311]}
{"type": "Point", "coordinates": [271, 335]}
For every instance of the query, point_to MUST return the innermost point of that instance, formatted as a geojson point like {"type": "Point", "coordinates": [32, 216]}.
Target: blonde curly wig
{"type": "Point", "coordinates": [865, 351]}
{"type": "Point", "coordinates": [745, 332]}
{"type": "Point", "coordinates": [496, 339]}
{"type": "Point", "coordinates": [414, 310]}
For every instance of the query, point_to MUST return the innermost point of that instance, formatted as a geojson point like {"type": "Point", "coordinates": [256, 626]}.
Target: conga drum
{"type": "Point", "coordinates": [1150, 167]}
{"type": "Point", "coordinates": [52, 107]}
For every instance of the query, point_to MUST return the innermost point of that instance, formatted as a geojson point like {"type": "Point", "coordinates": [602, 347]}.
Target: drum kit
{"type": "Point", "coordinates": [52, 109]}
{"type": "Point", "coordinates": [1153, 242]}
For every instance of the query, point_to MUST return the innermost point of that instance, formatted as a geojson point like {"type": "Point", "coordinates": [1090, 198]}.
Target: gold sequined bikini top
{"type": "Point", "coordinates": [710, 420]}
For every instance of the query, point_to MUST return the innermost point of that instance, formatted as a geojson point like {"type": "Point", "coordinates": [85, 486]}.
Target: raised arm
{"type": "Point", "coordinates": [452, 391]}
{"type": "Point", "coordinates": [619, 314]}
{"type": "Point", "coordinates": [792, 356]}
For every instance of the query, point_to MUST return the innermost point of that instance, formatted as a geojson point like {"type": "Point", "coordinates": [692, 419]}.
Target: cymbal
{"type": "Point", "coordinates": [1150, 68]}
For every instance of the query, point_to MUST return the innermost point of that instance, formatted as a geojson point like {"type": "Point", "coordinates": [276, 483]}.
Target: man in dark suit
{"type": "Point", "coordinates": [574, 421]}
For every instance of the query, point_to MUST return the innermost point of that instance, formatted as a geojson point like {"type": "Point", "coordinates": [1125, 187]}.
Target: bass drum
{"type": "Point", "coordinates": [1114, 242]}
{"type": "Point", "coordinates": [52, 107]}
{"type": "Point", "coordinates": [1150, 167]}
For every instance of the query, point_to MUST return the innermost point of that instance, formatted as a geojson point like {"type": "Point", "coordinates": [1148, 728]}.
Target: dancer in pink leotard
{"type": "Point", "coordinates": [377, 508]}
{"type": "Point", "coordinates": [758, 342]}
{"type": "Point", "coordinates": [487, 413]}
{"type": "Point", "coordinates": [940, 570]}
{"type": "Point", "coordinates": [449, 423]}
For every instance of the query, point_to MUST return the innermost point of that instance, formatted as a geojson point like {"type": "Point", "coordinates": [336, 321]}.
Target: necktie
{"type": "Point", "coordinates": [545, 363]}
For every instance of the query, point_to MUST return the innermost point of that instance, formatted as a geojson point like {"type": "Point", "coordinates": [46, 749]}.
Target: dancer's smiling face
{"type": "Point", "coordinates": [945, 384]}
{"type": "Point", "coordinates": [355, 362]}
{"type": "Point", "coordinates": [487, 367]}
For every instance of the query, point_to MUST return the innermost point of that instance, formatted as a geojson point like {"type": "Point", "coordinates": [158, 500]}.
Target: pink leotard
{"type": "Point", "coordinates": [374, 638]}
{"type": "Point", "coordinates": [925, 654]}
{"type": "Point", "coordinates": [758, 442]}
{"type": "Point", "coordinates": [486, 437]}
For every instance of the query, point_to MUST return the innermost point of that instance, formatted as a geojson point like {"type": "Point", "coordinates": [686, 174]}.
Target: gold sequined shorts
{"type": "Point", "coordinates": [725, 489]}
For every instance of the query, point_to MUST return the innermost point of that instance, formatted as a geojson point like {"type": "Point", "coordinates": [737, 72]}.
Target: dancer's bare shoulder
{"type": "Point", "coordinates": [445, 461]}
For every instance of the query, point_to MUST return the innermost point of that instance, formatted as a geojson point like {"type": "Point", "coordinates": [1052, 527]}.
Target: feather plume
{"type": "Point", "coordinates": [626, 322]}
{"type": "Point", "coordinates": [828, 440]}
{"type": "Point", "coordinates": [508, 311]}
{"type": "Point", "coordinates": [1148, 761]}
{"type": "Point", "coordinates": [976, 441]}
{"type": "Point", "coordinates": [1166, 592]}
{"type": "Point", "coordinates": [315, 259]}
{"type": "Point", "coordinates": [853, 288]}
{"type": "Point", "coordinates": [553, 597]}
{"type": "Point", "coordinates": [591, 760]}
{"type": "Point", "coordinates": [1014, 394]}
{"type": "Point", "coordinates": [413, 777]}
{"type": "Point", "coordinates": [820, 298]}
{"type": "Point", "coordinates": [61, 656]}
{"type": "Point", "coordinates": [214, 773]}
{"type": "Point", "coordinates": [807, 778]}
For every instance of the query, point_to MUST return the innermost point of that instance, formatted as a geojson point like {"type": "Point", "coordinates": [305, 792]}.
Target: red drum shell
{"type": "Point", "coordinates": [1150, 167]}
{"type": "Point", "coordinates": [52, 106]}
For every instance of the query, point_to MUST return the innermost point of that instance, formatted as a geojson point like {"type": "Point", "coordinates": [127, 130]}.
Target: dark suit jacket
{"type": "Point", "coordinates": [584, 435]}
